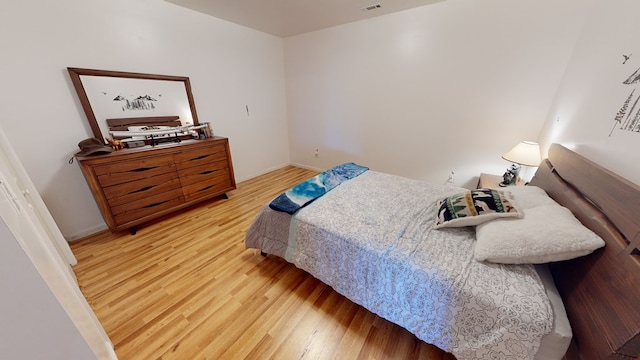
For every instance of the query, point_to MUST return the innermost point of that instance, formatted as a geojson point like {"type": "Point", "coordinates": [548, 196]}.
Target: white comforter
{"type": "Point", "coordinates": [372, 240]}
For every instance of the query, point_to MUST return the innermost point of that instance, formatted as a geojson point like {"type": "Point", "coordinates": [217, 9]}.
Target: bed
{"type": "Point", "coordinates": [373, 239]}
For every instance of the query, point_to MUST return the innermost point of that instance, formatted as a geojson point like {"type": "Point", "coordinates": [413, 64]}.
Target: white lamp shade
{"type": "Point", "coordinates": [525, 153]}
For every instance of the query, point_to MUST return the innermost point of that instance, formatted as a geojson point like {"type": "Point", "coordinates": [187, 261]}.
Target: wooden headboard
{"type": "Point", "coordinates": [601, 291]}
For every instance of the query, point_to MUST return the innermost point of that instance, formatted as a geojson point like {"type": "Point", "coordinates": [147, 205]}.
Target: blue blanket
{"type": "Point", "coordinates": [304, 193]}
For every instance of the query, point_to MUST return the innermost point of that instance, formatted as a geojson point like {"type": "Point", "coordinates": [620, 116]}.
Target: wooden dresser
{"type": "Point", "coordinates": [132, 186]}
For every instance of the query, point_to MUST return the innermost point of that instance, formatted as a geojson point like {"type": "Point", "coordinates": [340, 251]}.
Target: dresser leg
{"type": "Point", "coordinates": [133, 230]}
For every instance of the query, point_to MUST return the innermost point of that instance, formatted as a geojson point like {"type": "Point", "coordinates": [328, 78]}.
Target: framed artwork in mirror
{"type": "Point", "coordinates": [106, 94]}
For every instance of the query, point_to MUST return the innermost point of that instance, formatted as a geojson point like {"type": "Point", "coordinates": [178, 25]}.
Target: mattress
{"type": "Point", "coordinates": [372, 240]}
{"type": "Point", "coordinates": [554, 345]}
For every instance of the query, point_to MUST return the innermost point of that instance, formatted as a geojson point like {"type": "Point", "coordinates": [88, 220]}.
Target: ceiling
{"type": "Point", "coordinates": [292, 17]}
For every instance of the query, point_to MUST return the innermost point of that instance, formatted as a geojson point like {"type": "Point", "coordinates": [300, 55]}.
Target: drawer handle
{"type": "Point", "coordinates": [143, 189]}
{"type": "Point", "coordinates": [199, 157]}
{"type": "Point", "coordinates": [207, 188]}
{"type": "Point", "coordinates": [208, 172]}
{"type": "Point", "coordinates": [144, 169]}
{"type": "Point", "coordinates": [155, 204]}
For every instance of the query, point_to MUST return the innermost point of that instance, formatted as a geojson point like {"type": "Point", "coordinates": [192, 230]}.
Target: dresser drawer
{"type": "Point", "coordinates": [200, 156]}
{"type": "Point", "coordinates": [213, 186]}
{"type": "Point", "coordinates": [150, 205]}
{"type": "Point", "coordinates": [205, 172]}
{"type": "Point", "coordinates": [126, 171]}
{"type": "Point", "coordinates": [139, 189]}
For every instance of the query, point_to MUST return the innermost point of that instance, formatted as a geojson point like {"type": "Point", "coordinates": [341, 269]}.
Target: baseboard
{"type": "Point", "coordinates": [265, 171]}
{"type": "Point", "coordinates": [86, 233]}
{"type": "Point", "coordinates": [307, 167]}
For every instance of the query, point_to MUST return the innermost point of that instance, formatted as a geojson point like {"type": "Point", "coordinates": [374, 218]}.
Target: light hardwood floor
{"type": "Point", "coordinates": [185, 287]}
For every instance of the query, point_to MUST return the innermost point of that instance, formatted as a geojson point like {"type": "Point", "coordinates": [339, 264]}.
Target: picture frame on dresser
{"type": "Point", "coordinates": [107, 94]}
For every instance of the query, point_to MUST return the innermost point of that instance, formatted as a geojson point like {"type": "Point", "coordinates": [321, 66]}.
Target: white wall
{"type": "Point", "coordinates": [592, 92]}
{"type": "Point", "coordinates": [34, 325]}
{"type": "Point", "coordinates": [229, 66]}
{"type": "Point", "coordinates": [449, 86]}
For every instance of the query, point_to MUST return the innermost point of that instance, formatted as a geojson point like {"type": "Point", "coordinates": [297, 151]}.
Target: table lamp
{"type": "Point", "coordinates": [526, 153]}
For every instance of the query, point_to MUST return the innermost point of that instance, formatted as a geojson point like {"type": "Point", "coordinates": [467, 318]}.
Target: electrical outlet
{"type": "Point", "coordinates": [450, 179]}
{"type": "Point", "coordinates": [317, 153]}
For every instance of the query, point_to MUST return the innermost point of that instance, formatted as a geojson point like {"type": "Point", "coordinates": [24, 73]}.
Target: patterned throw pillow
{"type": "Point", "coordinates": [474, 207]}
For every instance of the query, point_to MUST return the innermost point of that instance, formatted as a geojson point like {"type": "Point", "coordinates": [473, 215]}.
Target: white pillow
{"type": "Point", "coordinates": [529, 196]}
{"type": "Point", "coordinates": [546, 233]}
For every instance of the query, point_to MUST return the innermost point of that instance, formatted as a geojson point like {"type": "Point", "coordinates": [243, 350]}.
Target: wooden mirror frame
{"type": "Point", "coordinates": [76, 73]}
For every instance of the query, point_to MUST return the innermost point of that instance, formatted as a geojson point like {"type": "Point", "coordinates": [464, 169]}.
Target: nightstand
{"type": "Point", "coordinates": [489, 181]}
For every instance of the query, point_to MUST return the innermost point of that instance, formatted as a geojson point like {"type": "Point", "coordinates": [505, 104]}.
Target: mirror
{"type": "Point", "coordinates": [115, 94]}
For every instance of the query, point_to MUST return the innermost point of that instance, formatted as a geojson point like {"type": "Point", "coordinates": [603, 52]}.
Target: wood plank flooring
{"type": "Point", "coordinates": [185, 287]}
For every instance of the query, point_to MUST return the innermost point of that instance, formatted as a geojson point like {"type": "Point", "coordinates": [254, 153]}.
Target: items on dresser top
{"type": "Point", "coordinates": [489, 181]}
